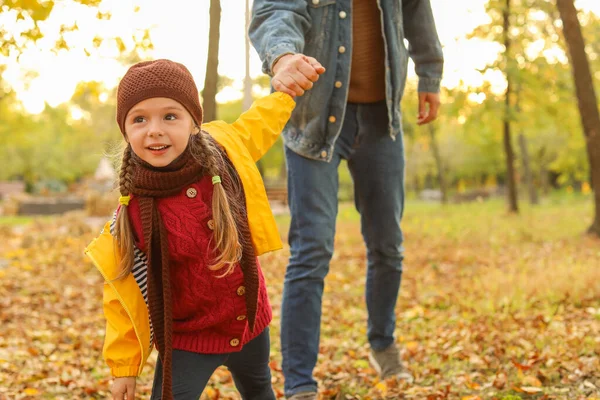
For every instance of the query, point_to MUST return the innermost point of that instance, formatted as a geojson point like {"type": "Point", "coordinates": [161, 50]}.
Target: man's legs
{"type": "Point", "coordinates": [312, 190]}
{"type": "Point", "coordinates": [377, 167]}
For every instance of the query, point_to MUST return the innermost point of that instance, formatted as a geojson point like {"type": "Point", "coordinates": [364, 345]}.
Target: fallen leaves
{"type": "Point", "coordinates": [500, 381]}
{"type": "Point", "coordinates": [478, 317]}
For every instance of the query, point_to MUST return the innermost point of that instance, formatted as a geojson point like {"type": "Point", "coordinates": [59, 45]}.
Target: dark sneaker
{"type": "Point", "coordinates": [304, 396]}
{"type": "Point", "coordinates": [388, 364]}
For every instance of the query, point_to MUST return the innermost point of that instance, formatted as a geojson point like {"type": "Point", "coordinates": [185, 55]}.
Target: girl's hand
{"type": "Point", "coordinates": [123, 388]}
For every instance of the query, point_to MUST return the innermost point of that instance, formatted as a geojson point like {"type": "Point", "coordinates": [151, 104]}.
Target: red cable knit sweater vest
{"type": "Point", "coordinates": [209, 313]}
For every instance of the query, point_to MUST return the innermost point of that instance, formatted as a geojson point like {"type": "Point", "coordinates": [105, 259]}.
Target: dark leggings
{"type": "Point", "coordinates": [249, 368]}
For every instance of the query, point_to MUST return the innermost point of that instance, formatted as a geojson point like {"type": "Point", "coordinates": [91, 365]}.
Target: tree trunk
{"type": "Point", "coordinates": [416, 184]}
{"type": "Point", "coordinates": [586, 98]}
{"type": "Point", "coordinates": [283, 171]}
{"type": "Point", "coordinates": [543, 170]}
{"type": "Point", "coordinates": [247, 99]}
{"type": "Point", "coordinates": [439, 165]}
{"type": "Point", "coordinates": [533, 197]}
{"type": "Point", "coordinates": [511, 181]}
{"type": "Point", "coordinates": [247, 102]}
{"type": "Point", "coordinates": [544, 181]}
{"type": "Point", "coordinates": [209, 102]}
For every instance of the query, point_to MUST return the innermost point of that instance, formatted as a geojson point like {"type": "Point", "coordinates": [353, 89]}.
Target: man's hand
{"type": "Point", "coordinates": [123, 388]}
{"type": "Point", "coordinates": [428, 114]}
{"type": "Point", "coordinates": [295, 73]}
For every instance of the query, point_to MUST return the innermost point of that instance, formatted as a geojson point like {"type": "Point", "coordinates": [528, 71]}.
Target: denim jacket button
{"type": "Point", "coordinates": [338, 84]}
{"type": "Point", "coordinates": [343, 14]}
{"type": "Point", "coordinates": [332, 119]}
{"type": "Point", "coordinates": [315, 2]}
{"type": "Point", "coordinates": [323, 154]}
{"type": "Point", "coordinates": [342, 49]}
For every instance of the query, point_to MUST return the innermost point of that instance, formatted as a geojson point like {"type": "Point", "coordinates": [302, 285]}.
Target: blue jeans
{"type": "Point", "coordinates": [376, 163]}
{"type": "Point", "coordinates": [249, 368]}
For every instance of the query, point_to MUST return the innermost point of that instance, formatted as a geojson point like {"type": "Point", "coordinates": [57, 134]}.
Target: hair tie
{"type": "Point", "coordinates": [216, 179]}
{"type": "Point", "coordinates": [124, 200]}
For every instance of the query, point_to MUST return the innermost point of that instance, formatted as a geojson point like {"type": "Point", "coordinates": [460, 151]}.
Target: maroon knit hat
{"type": "Point", "coordinates": [159, 78]}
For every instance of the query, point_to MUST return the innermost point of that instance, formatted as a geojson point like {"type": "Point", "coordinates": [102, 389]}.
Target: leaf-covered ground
{"type": "Point", "coordinates": [492, 306]}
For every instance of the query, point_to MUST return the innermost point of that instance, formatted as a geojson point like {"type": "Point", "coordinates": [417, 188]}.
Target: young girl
{"type": "Point", "coordinates": [179, 257]}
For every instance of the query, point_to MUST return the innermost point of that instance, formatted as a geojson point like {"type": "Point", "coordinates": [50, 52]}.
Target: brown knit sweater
{"type": "Point", "coordinates": [367, 73]}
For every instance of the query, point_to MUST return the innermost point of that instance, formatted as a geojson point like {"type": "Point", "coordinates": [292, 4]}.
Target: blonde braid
{"type": "Point", "coordinates": [225, 230]}
{"type": "Point", "coordinates": [123, 231]}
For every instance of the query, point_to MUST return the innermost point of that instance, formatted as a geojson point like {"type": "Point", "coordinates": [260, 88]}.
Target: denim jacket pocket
{"type": "Point", "coordinates": [322, 14]}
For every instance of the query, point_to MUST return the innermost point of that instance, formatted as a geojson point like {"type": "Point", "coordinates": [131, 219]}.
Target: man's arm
{"type": "Point", "coordinates": [277, 31]}
{"type": "Point", "coordinates": [426, 52]}
{"type": "Point", "coordinates": [424, 45]}
{"type": "Point", "coordinates": [277, 28]}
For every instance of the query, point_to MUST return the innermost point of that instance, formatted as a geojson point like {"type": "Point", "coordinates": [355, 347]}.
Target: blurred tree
{"type": "Point", "coordinates": [586, 97]}
{"type": "Point", "coordinates": [21, 26]}
{"type": "Point", "coordinates": [211, 80]}
{"type": "Point", "coordinates": [511, 179]}
{"type": "Point", "coordinates": [441, 173]}
{"type": "Point", "coordinates": [427, 138]}
{"type": "Point", "coordinates": [538, 67]}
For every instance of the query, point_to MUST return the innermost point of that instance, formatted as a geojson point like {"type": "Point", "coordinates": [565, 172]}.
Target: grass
{"type": "Point", "coordinates": [492, 306]}
{"type": "Point", "coordinates": [22, 220]}
{"type": "Point", "coordinates": [482, 290]}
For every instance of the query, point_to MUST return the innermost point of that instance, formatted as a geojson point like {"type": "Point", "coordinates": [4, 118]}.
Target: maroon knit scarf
{"type": "Point", "coordinates": [151, 183]}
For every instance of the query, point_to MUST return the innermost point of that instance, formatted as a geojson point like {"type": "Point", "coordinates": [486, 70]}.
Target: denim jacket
{"type": "Point", "coordinates": [323, 29]}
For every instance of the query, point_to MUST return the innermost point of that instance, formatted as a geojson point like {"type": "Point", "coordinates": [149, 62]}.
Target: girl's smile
{"type": "Point", "coordinates": [158, 149]}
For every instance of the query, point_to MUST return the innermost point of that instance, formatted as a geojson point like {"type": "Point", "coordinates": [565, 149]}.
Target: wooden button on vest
{"type": "Point", "coordinates": [241, 291]}
{"type": "Point", "coordinates": [191, 193]}
{"type": "Point", "coordinates": [211, 225]}
{"type": "Point", "coordinates": [234, 342]}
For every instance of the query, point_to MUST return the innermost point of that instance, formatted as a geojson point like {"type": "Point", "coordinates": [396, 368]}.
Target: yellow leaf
{"type": "Point", "coordinates": [210, 392]}
{"type": "Point", "coordinates": [413, 313]}
{"type": "Point", "coordinates": [472, 385]}
{"type": "Point", "coordinates": [531, 381]}
{"type": "Point", "coordinates": [382, 388]}
{"type": "Point", "coordinates": [585, 188]}
{"type": "Point", "coordinates": [475, 359]}
{"type": "Point", "coordinates": [31, 391]}
{"type": "Point", "coordinates": [411, 346]}
{"type": "Point", "coordinates": [531, 389]}
{"type": "Point", "coordinates": [470, 398]}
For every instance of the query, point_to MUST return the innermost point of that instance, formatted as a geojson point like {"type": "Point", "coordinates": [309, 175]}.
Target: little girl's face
{"type": "Point", "coordinates": [158, 130]}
